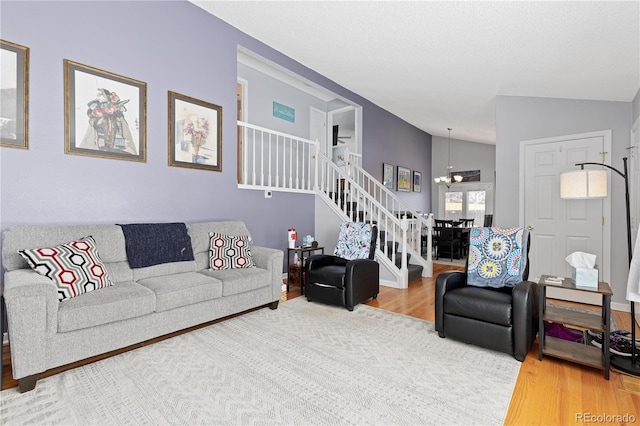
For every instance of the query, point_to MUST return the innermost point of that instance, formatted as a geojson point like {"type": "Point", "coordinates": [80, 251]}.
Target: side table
{"type": "Point", "coordinates": [302, 250]}
{"type": "Point", "coordinates": [572, 351]}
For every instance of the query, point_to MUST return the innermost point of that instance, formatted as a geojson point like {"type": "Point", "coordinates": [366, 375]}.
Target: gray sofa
{"type": "Point", "coordinates": [142, 304]}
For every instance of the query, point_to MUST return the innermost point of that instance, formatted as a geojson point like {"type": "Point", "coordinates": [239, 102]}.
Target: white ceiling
{"type": "Point", "coordinates": [439, 64]}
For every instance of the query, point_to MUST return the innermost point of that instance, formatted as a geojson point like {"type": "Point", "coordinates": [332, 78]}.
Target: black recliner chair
{"type": "Point", "coordinates": [351, 275]}
{"type": "Point", "coordinates": [502, 315]}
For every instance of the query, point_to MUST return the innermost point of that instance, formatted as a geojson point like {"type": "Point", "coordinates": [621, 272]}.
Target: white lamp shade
{"type": "Point", "coordinates": [582, 184]}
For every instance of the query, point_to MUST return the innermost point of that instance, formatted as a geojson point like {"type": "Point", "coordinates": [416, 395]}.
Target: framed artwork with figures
{"type": "Point", "coordinates": [105, 114]}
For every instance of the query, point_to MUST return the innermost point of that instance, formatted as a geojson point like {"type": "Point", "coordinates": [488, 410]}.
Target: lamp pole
{"type": "Point", "coordinates": [624, 363]}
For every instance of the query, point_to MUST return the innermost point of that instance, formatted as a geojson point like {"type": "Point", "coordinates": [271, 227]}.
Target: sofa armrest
{"type": "Point", "coordinates": [271, 260]}
{"type": "Point", "coordinates": [446, 281]}
{"type": "Point", "coordinates": [525, 317]}
{"type": "Point", "coordinates": [361, 281]}
{"type": "Point", "coordinates": [32, 313]}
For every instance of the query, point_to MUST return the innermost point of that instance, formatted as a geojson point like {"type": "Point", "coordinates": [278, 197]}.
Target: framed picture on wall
{"type": "Point", "coordinates": [14, 85]}
{"type": "Point", "coordinates": [404, 179]}
{"type": "Point", "coordinates": [195, 133]}
{"type": "Point", "coordinates": [387, 175]}
{"type": "Point", "coordinates": [105, 114]}
{"type": "Point", "coordinates": [417, 181]}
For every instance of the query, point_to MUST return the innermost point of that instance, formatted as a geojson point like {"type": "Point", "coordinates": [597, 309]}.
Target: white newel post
{"type": "Point", "coordinates": [429, 267]}
{"type": "Point", "coordinates": [404, 271]}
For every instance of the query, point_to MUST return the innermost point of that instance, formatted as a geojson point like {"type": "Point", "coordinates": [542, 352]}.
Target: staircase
{"type": "Point", "coordinates": [277, 161]}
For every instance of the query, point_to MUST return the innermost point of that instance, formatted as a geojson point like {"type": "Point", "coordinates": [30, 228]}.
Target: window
{"type": "Point", "coordinates": [467, 201]}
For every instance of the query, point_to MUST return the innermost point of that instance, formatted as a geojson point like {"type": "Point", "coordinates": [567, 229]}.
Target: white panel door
{"type": "Point", "coordinates": [559, 227]}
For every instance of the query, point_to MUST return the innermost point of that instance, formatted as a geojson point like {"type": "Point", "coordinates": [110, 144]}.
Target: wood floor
{"type": "Point", "coordinates": [547, 392]}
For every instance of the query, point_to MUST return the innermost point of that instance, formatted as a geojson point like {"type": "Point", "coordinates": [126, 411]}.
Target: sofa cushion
{"type": "Point", "coordinates": [173, 291]}
{"type": "Point", "coordinates": [230, 251]}
{"type": "Point", "coordinates": [170, 268]}
{"type": "Point", "coordinates": [236, 281]}
{"type": "Point", "coordinates": [75, 267]}
{"type": "Point", "coordinates": [109, 241]}
{"type": "Point", "coordinates": [119, 302]}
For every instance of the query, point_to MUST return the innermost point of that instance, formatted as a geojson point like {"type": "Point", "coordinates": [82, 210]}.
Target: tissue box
{"type": "Point", "coordinates": [585, 277]}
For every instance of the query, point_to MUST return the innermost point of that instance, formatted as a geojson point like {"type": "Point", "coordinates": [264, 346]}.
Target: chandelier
{"type": "Point", "coordinates": [448, 179]}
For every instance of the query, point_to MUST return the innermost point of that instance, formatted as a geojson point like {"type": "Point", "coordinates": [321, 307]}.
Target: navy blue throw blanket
{"type": "Point", "coordinates": [150, 244]}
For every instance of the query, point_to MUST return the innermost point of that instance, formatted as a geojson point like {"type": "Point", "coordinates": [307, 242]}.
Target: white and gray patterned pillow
{"type": "Point", "coordinates": [229, 252]}
{"type": "Point", "coordinates": [75, 267]}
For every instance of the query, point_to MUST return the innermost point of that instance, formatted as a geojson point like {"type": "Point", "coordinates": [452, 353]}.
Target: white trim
{"type": "Point", "coordinates": [245, 99]}
{"type": "Point", "coordinates": [313, 110]}
{"type": "Point", "coordinates": [606, 231]}
{"type": "Point", "coordinates": [392, 284]}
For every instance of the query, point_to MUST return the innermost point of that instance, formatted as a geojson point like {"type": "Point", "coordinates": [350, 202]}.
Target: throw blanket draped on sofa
{"type": "Point", "coordinates": [149, 244]}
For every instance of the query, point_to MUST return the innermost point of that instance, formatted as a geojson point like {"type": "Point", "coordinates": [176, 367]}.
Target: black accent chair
{"type": "Point", "coordinates": [335, 280]}
{"type": "Point", "coordinates": [504, 319]}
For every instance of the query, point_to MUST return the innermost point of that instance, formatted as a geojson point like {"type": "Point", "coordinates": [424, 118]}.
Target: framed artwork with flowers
{"type": "Point", "coordinates": [105, 114]}
{"type": "Point", "coordinates": [14, 92]}
{"type": "Point", "coordinates": [195, 133]}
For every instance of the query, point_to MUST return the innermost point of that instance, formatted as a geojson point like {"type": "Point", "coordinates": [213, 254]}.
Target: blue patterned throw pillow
{"type": "Point", "coordinates": [497, 256]}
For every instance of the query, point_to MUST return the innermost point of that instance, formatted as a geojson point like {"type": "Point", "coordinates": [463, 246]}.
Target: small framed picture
{"type": "Point", "coordinates": [387, 175]}
{"type": "Point", "coordinates": [195, 133]}
{"type": "Point", "coordinates": [14, 85]}
{"type": "Point", "coordinates": [404, 179]}
{"type": "Point", "coordinates": [105, 114]}
{"type": "Point", "coordinates": [417, 181]}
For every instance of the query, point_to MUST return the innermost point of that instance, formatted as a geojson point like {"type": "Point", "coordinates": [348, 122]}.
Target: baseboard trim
{"type": "Point", "coordinates": [389, 283]}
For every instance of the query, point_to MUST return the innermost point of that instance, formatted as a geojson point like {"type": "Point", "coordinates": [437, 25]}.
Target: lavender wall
{"type": "Point", "coordinates": [170, 46]}
{"type": "Point", "coordinates": [399, 144]}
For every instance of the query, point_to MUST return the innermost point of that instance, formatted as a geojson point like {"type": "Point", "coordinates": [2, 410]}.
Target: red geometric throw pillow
{"type": "Point", "coordinates": [230, 252]}
{"type": "Point", "coordinates": [74, 267]}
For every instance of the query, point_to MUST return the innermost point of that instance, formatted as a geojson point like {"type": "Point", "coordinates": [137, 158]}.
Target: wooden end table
{"type": "Point", "coordinates": [302, 250]}
{"type": "Point", "coordinates": [572, 351]}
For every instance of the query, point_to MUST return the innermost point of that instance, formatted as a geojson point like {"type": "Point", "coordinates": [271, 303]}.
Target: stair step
{"type": "Point", "coordinates": [415, 272]}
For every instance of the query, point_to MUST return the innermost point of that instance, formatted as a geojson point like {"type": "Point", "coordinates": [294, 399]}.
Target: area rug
{"type": "Point", "coordinates": [302, 364]}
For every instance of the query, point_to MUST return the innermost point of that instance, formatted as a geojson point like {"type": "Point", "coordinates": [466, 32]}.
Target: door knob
{"type": "Point", "coordinates": [529, 227]}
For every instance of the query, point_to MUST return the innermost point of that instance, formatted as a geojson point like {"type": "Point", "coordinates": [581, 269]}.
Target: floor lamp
{"type": "Point", "coordinates": [583, 184]}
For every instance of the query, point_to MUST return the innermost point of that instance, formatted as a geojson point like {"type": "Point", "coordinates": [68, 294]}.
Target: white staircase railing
{"type": "Point", "coordinates": [273, 160]}
{"type": "Point", "coordinates": [352, 202]}
{"type": "Point", "coordinates": [419, 224]}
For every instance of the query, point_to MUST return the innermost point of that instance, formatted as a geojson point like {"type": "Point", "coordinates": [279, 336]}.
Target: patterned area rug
{"type": "Point", "coordinates": [304, 363]}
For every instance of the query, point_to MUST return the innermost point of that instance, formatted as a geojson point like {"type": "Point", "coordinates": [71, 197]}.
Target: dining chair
{"type": "Point", "coordinates": [449, 242]}
{"type": "Point", "coordinates": [467, 223]}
